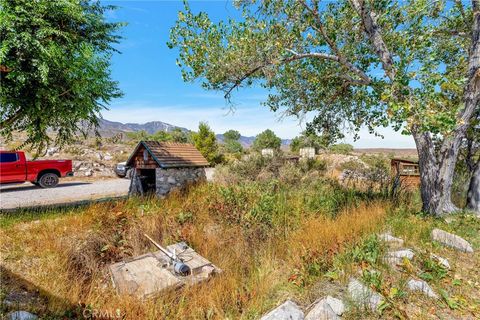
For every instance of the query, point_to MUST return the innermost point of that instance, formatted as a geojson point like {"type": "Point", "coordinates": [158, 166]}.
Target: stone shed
{"type": "Point", "coordinates": [160, 167]}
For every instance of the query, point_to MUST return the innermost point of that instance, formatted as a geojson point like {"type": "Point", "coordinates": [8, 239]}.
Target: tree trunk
{"type": "Point", "coordinates": [473, 196]}
{"type": "Point", "coordinates": [436, 173]}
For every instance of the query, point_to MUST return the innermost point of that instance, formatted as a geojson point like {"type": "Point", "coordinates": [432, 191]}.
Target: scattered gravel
{"type": "Point", "coordinates": [28, 195]}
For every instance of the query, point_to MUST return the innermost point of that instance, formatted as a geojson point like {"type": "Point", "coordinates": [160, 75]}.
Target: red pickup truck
{"type": "Point", "coordinates": [14, 168]}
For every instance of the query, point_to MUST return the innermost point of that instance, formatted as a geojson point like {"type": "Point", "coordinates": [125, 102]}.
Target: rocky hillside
{"type": "Point", "coordinates": [110, 128]}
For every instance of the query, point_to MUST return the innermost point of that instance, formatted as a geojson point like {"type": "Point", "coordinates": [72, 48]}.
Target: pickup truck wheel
{"type": "Point", "coordinates": [48, 180]}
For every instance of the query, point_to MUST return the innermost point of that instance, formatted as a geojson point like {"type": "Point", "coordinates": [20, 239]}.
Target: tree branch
{"type": "Point", "coordinates": [294, 57]}
{"type": "Point", "coordinates": [10, 120]}
{"type": "Point", "coordinates": [341, 58]}
{"type": "Point", "coordinates": [373, 31]}
{"type": "Point", "coordinates": [460, 7]}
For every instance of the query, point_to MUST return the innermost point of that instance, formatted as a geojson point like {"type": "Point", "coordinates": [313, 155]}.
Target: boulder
{"type": "Point", "coordinates": [336, 304]}
{"type": "Point", "coordinates": [363, 296]}
{"type": "Point", "coordinates": [387, 237]}
{"type": "Point", "coordinates": [289, 310]}
{"type": "Point", "coordinates": [396, 257]}
{"type": "Point", "coordinates": [321, 311]}
{"type": "Point", "coordinates": [451, 240]}
{"type": "Point", "coordinates": [21, 315]}
{"type": "Point", "coordinates": [422, 286]}
{"type": "Point", "coordinates": [326, 308]}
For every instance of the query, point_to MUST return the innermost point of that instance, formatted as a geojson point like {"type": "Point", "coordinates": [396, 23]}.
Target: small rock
{"type": "Point", "coordinates": [88, 172]}
{"type": "Point", "coordinates": [322, 311]}
{"type": "Point", "coordinates": [171, 180]}
{"type": "Point", "coordinates": [21, 315]}
{"type": "Point", "coordinates": [451, 240]}
{"type": "Point", "coordinates": [386, 237]}
{"type": "Point", "coordinates": [326, 308]}
{"type": "Point", "coordinates": [422, 286]}
{"type": "Point", "coordinates": [363, 295]}
{"type": "Point", "coordinates": [51, 151]}
{"type": "Point", "coordinates": [99, 156]}
{"type": "Point", "coordinates": [396, 257]}
{"type": "Point", "coordinates": [107, 157]}
{"type": "Point", "coordinates": [444, 262]}
{"type": "Point", "coordinates": [77, 165]}
{"type": "Point", "coordinates": [289, 310]}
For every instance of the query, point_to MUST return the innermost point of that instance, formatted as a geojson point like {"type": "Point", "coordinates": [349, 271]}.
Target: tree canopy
{"type": "Point", "coordinates": [206, 142]}
{"type": "Point", "coordinates": [318, 56]}
{"type": "Point", "coordinates": [231, 143]}
{"type": "Point", "coordinates": [266, 139]}
{"type": "Point", "coordinates": [55, 68]}
{"type": "Point", "coordinates": [309, 139]}
{"type": "Point", "coordinates": [409, 64]}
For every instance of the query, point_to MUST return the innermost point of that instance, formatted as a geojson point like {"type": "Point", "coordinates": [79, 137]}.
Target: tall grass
{"type": "Point", "coordinates": [272, 240]}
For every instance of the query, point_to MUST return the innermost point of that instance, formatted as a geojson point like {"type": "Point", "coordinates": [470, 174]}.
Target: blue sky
{"type": "Point", "coordinates": [154, 90]}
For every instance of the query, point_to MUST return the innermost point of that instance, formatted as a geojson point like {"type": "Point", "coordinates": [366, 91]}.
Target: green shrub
{"type": "Point", "coordinates": [342, 148]}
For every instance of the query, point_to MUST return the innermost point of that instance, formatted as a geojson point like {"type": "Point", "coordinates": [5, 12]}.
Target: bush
{"type": "Point", "coordinates": [342, 148]}
{"type": "Point", "coordinates": [255, 167]}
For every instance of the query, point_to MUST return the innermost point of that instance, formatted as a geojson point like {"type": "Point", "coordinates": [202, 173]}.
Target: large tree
{"type": "Point", "coordinates": [231, 141]}
{"type": "Point", "coordinates": [470, 160]}
{"type": "Point", "coordinates": [413, 65]}
{"type": "Point", "coordinates": [266, 140]}
{"type": "Point", "coordinates": [55, 68]}
{"type": "Point", "coordinates": [206, 142]}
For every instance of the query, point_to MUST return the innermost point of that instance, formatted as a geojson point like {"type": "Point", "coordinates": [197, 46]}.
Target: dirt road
{"type": "Point", "coordinates": [28, 195]}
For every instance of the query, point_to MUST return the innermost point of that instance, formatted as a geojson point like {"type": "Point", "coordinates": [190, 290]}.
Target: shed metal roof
{"type": "Point", "coordinates": [172, 154]}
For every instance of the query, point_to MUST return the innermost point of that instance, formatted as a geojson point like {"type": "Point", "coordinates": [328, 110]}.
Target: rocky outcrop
{"type": "Point", "coordinates": [451, 240]}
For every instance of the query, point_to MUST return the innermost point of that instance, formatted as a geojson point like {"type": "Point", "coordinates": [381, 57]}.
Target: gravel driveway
{"type": "Point", "coordinates": [70, 191]}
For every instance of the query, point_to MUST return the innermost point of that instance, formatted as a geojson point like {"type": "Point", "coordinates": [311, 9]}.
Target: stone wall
{"type": "Point", "coordinates": [177, 178]}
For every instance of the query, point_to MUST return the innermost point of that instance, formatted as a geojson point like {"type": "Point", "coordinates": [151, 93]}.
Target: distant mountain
{"type": "Point", "coordinates": [109, 128]}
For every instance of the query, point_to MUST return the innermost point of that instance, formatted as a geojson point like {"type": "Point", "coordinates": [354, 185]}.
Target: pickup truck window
{"type": "Point", "coordinates": [8, 157]}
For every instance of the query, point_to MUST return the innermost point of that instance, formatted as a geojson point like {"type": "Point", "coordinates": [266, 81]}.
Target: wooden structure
{"type": "Point", "coordinates": [406, 173]}
{"type": "Point", "coordinates": [151, 273]}
{"type": "Point", "coordinates": [163, 166]}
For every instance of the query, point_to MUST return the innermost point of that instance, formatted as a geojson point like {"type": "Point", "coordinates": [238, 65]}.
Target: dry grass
{"type": "Point", "coordinates": [267, 254]}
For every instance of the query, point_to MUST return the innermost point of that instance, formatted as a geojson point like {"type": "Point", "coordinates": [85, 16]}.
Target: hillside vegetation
{"type": "Point", "coordinates": [291, 234]}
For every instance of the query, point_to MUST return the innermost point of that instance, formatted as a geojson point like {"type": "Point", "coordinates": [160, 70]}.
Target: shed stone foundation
{"type": "Point", "coordinates": [177, 178]}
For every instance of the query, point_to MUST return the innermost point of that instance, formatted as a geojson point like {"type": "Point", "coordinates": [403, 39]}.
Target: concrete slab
{"type": "Point", "coordinates": [151, 273]}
